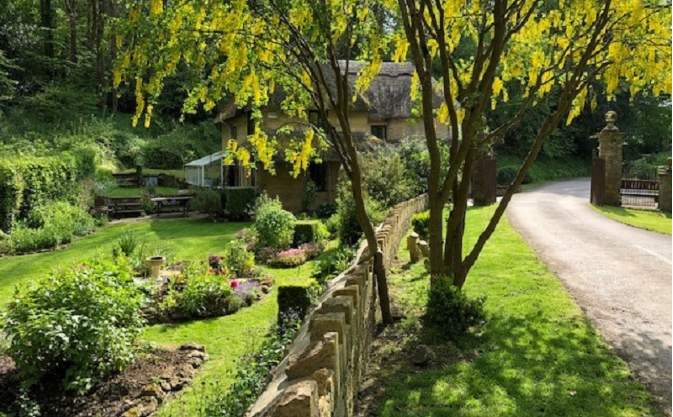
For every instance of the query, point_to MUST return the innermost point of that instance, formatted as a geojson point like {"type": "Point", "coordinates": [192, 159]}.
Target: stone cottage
{"type": "Point", "coordinates": [382, 114]}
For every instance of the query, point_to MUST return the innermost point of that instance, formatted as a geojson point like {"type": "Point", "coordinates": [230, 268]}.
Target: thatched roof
{"type": "Point", "coordinates": [386, 98]}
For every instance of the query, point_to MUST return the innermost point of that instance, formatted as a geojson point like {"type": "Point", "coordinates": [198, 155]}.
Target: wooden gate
{"type": "Point", "coordinates": [597, 181]}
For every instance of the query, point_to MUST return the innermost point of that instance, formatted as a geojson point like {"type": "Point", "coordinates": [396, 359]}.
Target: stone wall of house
{"type": "Point", "coordinates": [321, 374]}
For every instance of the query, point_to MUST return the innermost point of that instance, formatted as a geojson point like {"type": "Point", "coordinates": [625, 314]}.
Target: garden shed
{"type": "Point", "coordinates": [206, 171]}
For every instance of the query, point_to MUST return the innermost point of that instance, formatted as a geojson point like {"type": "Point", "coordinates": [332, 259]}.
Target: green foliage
{"type": "Point", "coordinates": [239, 202]}
{"type": "Point", "coordinates": [208, 202]}
{"type": "Point", "coordinates": [348, 228]}
{"type": "Point", "coordinates": [309, 194]}
{"type": "Point", "coordinates": [253, 372]}
{"type": "Point", "coordinates": [306, 231]}
{"type": "Point", "coordinates": [450, 311]}
{"type": "Point", "coordinates": [505, 175]}
{"type": "Point", "coordinates": [420, 222]}
{"type": "Point", "coordinates": [238, 259]}
{"type": "Point", "coordinates": [203, 295]}
{"type": "Point", "coordinates": [325, 210]}
{"type": "Point", "coordinates": [332, 263]}
{"type": "Point", "coordinates": [386, 176]}
{"type": "Point", "coordinates": [274, 226]}
{"type": "Point", "coordinates": [293, 300]}
{"type": "Point", "coordinates": [646, 166]}
{"type": "Point", "coordinates": [81, 323]}
{"type": "Point", "coordinates": [416, 158]}
{"type": "Point", "coordinates": [181, 145]}
{"type": "Point", "coordinates": [126, 245]}
{"type": "Point", "coordinates": [48, 226]}
{"type": "Point", "coordinates": [27, 182]}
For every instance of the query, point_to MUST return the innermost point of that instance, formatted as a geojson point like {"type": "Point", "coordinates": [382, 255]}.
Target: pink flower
{"type": "Point", "coordinates": [233, 283]}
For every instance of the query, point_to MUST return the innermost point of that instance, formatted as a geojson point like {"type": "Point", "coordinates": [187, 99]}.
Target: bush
{"type": "Point", "coordinates": [48, 226]}
{"type": "Point", "coordinates": [293, 300]}
{"type": "Point", "coordinates": [387, 179]}
{"type": "Point", "coordinates": [126, 245]}
{"type": "Point", "coordinates": [348, 228]}
{"type": "Point", "coordinates": [274, 226]}
{"type": "Point", "coordinates": [208, 202]}
{"type": "Point", "coordinates": [450, 311]}
{"type": "Point", "coordinates": [325, 210]}
{"type": "Point", "coordinates": [421, 224]}
{"type": "Point", "coordinates": [238, 259]}
{"type": "Point", "coordinates": [28, 182]}
{"type": "Point", "coordinates": [505, 175]}
{"type": "Point", "coordinates": [81, 323]}
{"type": "Point", "coordinates": [239, 202]}
{"type": "Point", "coordinates": [309, 231]}
{"type": "Point", "coordinates": [332, 263]}
{"type": "Point", "coordinates": [203, 295]}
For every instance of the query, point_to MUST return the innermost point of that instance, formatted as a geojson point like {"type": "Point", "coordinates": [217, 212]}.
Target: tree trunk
{"type": "Point", "coordinates": [71, 9]}
{"type": "Point", "coordinates": [112, 11]}
{"type": "Point", "coordinates": [47, 23]}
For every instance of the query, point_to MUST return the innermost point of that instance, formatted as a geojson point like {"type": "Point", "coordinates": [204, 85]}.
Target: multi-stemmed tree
{"type": "Point", "coordinates": [550, 50]}
{"type": "Point", "coordinates": [247, 51]}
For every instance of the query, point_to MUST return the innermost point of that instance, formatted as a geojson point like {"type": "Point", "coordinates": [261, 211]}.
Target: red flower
{"type": "Point", "coordinates": [233, 283]}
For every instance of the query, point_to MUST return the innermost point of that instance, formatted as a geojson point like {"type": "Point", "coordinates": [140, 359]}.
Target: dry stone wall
{"type": "Point", "coordinates": [321, 374]}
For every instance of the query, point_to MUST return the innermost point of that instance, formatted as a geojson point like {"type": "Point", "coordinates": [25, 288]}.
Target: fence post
{"type": "Point", "coordinates": [665, 187]}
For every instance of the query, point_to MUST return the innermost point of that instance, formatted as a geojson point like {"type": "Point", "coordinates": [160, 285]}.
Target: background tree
{"type": "Point", "coordinates": [542, 49]}
{"type": "Point", "coordinates": [246, 52]}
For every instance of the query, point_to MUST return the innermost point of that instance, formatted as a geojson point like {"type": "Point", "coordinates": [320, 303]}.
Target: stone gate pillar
{"type": "Point", "coordinates": [665, 187]}
{"type": "Point", "coordinates": [610, 143]}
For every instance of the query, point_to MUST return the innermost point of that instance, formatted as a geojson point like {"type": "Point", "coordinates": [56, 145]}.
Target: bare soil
{"type": "Point", "coordinates": [137, 391]}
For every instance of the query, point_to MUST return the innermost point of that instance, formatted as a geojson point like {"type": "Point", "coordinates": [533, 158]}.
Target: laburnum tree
{"type": "Point", "coordinates": [477, 50]}
{"type": "Point", "coordinates": [248, 51]}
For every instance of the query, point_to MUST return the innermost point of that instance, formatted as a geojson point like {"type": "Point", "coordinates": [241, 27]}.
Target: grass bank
{"type": "Point", "coordinates": [537, 355]}
{"type": "Point", "coordinates": [546, 169]}
{"type": "Point", "coordinates": [655, 221]}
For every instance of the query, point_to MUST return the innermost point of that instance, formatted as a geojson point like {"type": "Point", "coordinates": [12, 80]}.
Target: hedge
{"type": "Point", "coordinates": [28, 181]}
{"type": "Point", "coordinates": [239, 202]}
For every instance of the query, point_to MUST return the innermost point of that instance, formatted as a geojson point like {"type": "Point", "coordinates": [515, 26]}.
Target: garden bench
{"type": "Point", "coordinates": [172, 204]}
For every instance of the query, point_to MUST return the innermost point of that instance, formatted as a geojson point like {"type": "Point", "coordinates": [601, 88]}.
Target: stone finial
{"type": "Point", "coordinates": [610, 120]}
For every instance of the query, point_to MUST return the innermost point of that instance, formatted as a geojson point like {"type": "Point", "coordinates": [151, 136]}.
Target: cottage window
{"type": "Point", "coordinates": [318, 174]}
{"type": "Point", "coordinates": [380, 131]}
{"type": "Point", "coordinates": [233, 176]}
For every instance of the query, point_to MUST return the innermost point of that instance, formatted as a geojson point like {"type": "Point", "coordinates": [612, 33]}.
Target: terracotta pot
{"type": "Point", "coordinates": [155, 263]}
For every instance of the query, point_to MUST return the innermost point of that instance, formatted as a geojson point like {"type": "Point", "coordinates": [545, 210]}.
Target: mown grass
{"type": "Point", "coordinates": [537, 355]}
{"type": "Point", "coordinates": [129, 192]}
{"type": "Point", "coordinates": [655, 221]}
{"type": "Point", "coordinates": [226, 338]}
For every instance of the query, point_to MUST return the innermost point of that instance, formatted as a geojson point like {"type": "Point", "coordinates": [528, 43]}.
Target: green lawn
{"type": "Point", "coordinates": [226, 338]}
{"type": "Point", "coordinates": [655, 221]}
{"type": "Point", "coordinates": [138, 191]}
{"type": "Point", "coordinates": [536, 356]}
{"type": "Point", "coordinates": [182, 238]}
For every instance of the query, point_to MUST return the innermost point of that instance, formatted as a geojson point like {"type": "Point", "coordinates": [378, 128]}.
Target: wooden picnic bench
{"type": "Point", "coordinates": [172, 204]}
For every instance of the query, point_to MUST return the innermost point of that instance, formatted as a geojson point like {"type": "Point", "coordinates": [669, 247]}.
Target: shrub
{"type": "Point", "coordinates": [332, 263]}
{"type": "Point", "coordinates": [238, 259]}
{"type": "Point", "coordinates": [348, 228]}
{"type": "Point", "coordinates": [28, 182]}
{"type": "Point", "coordinates": [309, 231]}
{"type": "Point", "coordinates": [66, 219]}
{"type": "Point", "coordinates": [239, 202]}
{"type": "Point", "coordinates": [290, 258]}
{"type": "Point", "coordinates": [325, 210]}
{"type": "Point", "coordinates": [293, 300]}
{"type": "Point", "coordinates": [248, 236]}
{"type": "Point", "coordinates": [81, 323]}
{"type": "Point", "coordinates": [387, 179]}
{"type": "Point", "coordinates": [274, 226]}
{"type": "Point", "coordinates": [26, 239]}
{"type": "Point", "coordinates": [421, 224]}
{"type": "Point", "coordinates": [126, 245]}
{"type": "Point", "coordinates": [450, 311]}
{"type": "Point", "coordinates": [203, 295]}
{"type": "Point", "coordinates": [208, 202]}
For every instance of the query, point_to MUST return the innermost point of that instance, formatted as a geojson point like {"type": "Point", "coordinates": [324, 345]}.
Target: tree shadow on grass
{"type": "Point", "coordinates": [520, 366]}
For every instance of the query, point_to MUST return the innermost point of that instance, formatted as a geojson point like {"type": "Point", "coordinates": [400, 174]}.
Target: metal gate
{"type": "Point", "coordinates": [639, 193]}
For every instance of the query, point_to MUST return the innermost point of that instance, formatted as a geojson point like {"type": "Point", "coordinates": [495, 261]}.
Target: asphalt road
{"type": "Point", "coordinates": [619, 275]}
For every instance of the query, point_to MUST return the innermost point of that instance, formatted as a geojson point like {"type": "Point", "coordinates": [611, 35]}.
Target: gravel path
{"type": "Point", "coordinates": [619, 275]}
